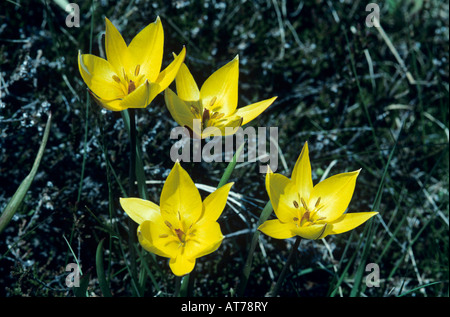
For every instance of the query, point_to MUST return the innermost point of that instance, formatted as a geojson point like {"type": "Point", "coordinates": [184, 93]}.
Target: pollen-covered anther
{"type": "Point", "coordinates": [195, 111]}
{"type": "Point", "coordinates": [168, 224]}
{"type": "Point", "coordinates": [137, 69]}
{"type": "Point", "coordinates": [213, 101]}
{"type": "Point", "coordinates": [163, 235]}
{"type": "Point", "coordinates": [317, 203]}
{"type": "Point", "coordinates": [304, 204]}
{"type": "Point", "coordinates": [295, 204]}
{"type": "Point", "coordinates": [116, 78]}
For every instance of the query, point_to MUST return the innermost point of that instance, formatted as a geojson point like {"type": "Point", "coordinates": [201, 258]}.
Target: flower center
{"type": "Point", "coordinates": [129, 85]}
{"type": "Point", "coordinates": [208, 115]}
{"type": "Point", "coordinates": [307, 217]}
{"type": "Point", "coordinates": [178, 232]}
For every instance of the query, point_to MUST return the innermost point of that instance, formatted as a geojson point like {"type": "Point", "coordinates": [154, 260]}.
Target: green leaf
{"type": "Point", "coordinates": [19, 195]}
{"type": "Point", "coordinates": [101, 271]}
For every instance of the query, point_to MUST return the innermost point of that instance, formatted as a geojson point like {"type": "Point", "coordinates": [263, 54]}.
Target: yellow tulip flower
{"type": "Point", "coordinates": [183, 228]}
{"type": "Point", "coordinates": [214, 105]}
{"type": "Point", "coordinates": [130, 75]}
{"type": "Point", "coordinates": [311, 212]}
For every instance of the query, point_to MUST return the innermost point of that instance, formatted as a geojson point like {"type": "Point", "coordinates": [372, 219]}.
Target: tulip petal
{"type": "Point", "coordinates": [180, 199]}
{"type": "Point", "coordinates": [179, 109]}
{"type": "Point", "coordinates": [277, 229]}
{"type": "Point", "coordinates": [139, 209]}
{"type": "Point", "coordinates": [335, 194]}
{"type": "Point", "coordinates": [115, 48]}
{"type": "Point", "coordinates": [282, 196]}
{"type": "Point", "coordinates": [113, 105]}
{"type": "Point", "coordinates": [187, 88]}
{"type": "Point", "coordinates": [313, 232]}
{"type": "Point", "coordinates": [146, 50]}
{"type": "Point", "coordinates": [181, 264]}
{"type": "Point", "coordinates": [214, 204]}
{"type": "Point", "coordinates": [98, 74]}
{"type": "Point", "coordinates": [301, 175]}
{"type": "Point", "coordinates": [167, 76]}
{"type": "Point", "coordinates": [206, 238]}
{"type": "Point", "coordinates": [156, 237]}
{"type": "Point", "coordinates": [141, 97]}
{"type": "Point", "coordinates": [350, 221]}
{"type": "Point", "coordinates": [222, 88]}
{"type": "Point", "coordinates": [250, 112]}
{"type": "Point", "coordinates": [222, 127]}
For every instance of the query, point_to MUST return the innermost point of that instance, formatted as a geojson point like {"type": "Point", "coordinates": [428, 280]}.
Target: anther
{"type": "Point", "coordinates": [137, 69]}
{"type": "Point", "coordinates": [296, 204]}
{"type": "Point", "coordinates": [304, 204]}
{"type": "Point", "coordinates": [317, 202]}
{"type": "Point", "coordinates": [116, 78]}
{"type": "Point", "coordinates": [168, 224]}
{"type": "Point", "coordinates": [163, 235]}
{"type": "Point", "coordinates": [213, 100]}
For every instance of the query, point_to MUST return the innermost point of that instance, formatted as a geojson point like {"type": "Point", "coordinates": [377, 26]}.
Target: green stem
{"type": "Point", "coordinates": [184, 288]}
{"type": "Point", "coordinates": [248, 263]}
{"type": "Point", "coordinates": [132, 191]}
{"type": "Point", "coordinates": [230, 168]}
{"type": "Point", "coordinates": [285, 268]}
{"type": "Point", "coordinates": [132, 172]}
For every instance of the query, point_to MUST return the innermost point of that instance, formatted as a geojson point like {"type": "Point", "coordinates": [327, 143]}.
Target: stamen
{"type": "Point", "coordinates": [213, 100]}
{"type": "Point", "coordinates": [136, 71]}
{"type": "Point", "coordinates": [168, 224]}
{"type": "Point", "coordinates": [116, 78]}
{"type": "Point", "coordinates": [125, 75]}
{"type": "Point", "coordinates": [295, 219]}
{"type": "Point", "coordinates": [296, 204]}
{"type": "Point", "coordinates": [195, 111]}
{"type": "Point", "coordinates": [304, 204]}
{"type": "Point", "coordinates": [317, 202]}
{"type": "Point", "coordinates": [162, 236]}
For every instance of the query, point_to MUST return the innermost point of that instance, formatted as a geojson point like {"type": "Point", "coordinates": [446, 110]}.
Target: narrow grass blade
{"type": "Point", "coordinates": [101, 271]}
{"type": "Point", "coordinates": [419, 287]}
{"type": "Point", "coordinates": [370, 233]}
{"type": "Point", "coordinates": [19, 195]}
